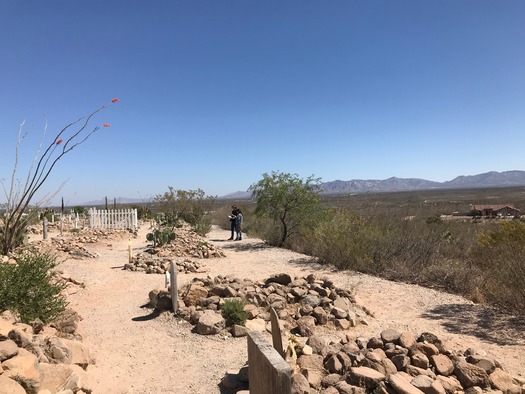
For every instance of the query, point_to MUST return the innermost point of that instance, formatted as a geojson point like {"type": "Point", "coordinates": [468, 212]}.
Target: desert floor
{"type": "Point", "coordinates": [138, 351]}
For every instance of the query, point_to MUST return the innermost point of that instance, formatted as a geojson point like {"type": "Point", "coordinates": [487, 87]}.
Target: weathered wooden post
{"type": "Point", "coordinates": [173, 286]}
{"type": "Point", "coordinates": [268, 372]}
{"type": "Point", "coordinates": [45, 228]}
{"type": "Point", "coordinates": [130, 255]}
{"type": "Point", "coordinates": [276, 332]}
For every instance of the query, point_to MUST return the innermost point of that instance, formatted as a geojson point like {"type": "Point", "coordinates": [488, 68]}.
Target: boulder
{"type": "Point", "coordinates": [471, 375]}
{"type": "Point", "coordinates": [364, 375]}
{"type": "Point", "coordinates": [442, 364]}
{"type": "Point", "coordinates": [25, 365]}
{"type": "Point", "coordinates": [300, 384]}
{"type": "Point", "coordinates": [194, 293]}
{"type": "Point", "coordinates": [282, 279]}
{"type": "Point", "coordinates": [501, 380]}
{"type": "Point", "coordinates": [10, 386]}
{"type": "Point", "coordinates": [8, 349]}
{"type": "Point", "coordinates": [210, 323]}
{"type": "Point", "coordinates": [401, 385]}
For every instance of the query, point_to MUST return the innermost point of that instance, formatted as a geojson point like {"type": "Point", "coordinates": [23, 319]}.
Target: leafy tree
{"type": "Point", "coordinates": [191, 206]}
{"type": "Point", "coordinates": [289, 201]}
{"type": "Point", "coordinates": [80, 210]}
{"type": "Point", "coordinates": [19, 195]}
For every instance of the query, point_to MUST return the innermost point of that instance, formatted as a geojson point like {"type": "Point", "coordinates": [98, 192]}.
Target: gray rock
{"type": "Point", "coordinates": [320, 315]}
{"type": "Point", "coordinates": [210, 323]}
{"type": "Point", "coordinates": [317, 343]}
{"type": "Point", "coordinates": [8, 349]}
{"type": "Point", "coordinates": [367, 376]}
{"type": "Point", "coordinates": [390, 336]}
{"type": "Point", "coordinates": [442, 364]}
{"type": "Point", "coordinates": [501, 380]}
{"type": "Point", "coordinates": [238, 331]}
{"type": "Point", "coordinates": [471, 375]}
{"type": "Point", "coordinates": [306, 326]}
{"type": "Point", "coordinates": [282, 279]}
{"type": "Point", "coordinates": [401, 385]}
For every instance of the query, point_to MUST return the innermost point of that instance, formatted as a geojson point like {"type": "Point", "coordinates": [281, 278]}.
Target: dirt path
{"type": "Point", "coordinates": [138, 352]}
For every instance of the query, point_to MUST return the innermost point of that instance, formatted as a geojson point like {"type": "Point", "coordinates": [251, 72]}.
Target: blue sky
{"type": "Point", "coordinates": [212, 93]}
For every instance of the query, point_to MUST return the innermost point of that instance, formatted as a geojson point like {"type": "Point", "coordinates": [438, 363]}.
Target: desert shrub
{"type": "Point", "coordinates": [202, 226]}
{"type": "Point", "coordinates": [344, 239]}
{"type": "Point", "coordinates": [233, 311]}
{"type": "Point", "coordinates": [191, 206]}
{"type": "Point", "coordinates": [27, 288]}
{"type": "Point", "coordinates": [500, 254]}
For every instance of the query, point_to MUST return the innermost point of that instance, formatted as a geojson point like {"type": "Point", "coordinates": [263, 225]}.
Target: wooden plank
{"type": "Point", "coordinates": [277, 339]}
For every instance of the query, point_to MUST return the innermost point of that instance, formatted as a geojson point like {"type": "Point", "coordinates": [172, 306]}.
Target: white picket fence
{"type": "Point", "coordinates": [113, 218]}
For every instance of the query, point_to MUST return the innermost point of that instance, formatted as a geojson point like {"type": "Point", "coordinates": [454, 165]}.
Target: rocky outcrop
{"type": "Point", "coordinates": [43, 358]}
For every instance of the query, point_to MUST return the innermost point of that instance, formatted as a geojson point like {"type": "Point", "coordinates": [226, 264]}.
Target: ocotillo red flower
{"type": "Point", "coordinates": [59, 141]}
{"type": "Point", "coordinates": [106, 125]}
{"type": "Point", "coordinates": [114, 100]}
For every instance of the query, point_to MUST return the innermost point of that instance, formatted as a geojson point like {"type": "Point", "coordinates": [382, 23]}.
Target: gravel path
{"type": "Point", "coordinates": [139, 352]}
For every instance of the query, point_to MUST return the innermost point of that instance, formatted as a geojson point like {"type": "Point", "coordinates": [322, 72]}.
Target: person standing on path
{"type": "Point", "coordinates": [232, 218]}
{"type": "Point", "coordinates": [238, 224]}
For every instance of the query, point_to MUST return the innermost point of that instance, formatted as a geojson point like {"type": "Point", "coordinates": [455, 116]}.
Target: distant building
{"type": "Point", "coordinates": [494, 210]}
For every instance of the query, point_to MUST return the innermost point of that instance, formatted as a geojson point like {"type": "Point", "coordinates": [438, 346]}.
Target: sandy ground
{"type": "Point", "coordinates": [139, 352]}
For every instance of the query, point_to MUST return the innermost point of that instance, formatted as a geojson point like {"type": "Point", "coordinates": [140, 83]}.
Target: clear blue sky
{"type": "Point", "coordinates": [215, 93]}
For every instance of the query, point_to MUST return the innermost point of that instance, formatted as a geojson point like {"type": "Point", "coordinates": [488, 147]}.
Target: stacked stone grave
{"type": "Point", "coordinates": [38, 358]}
{"type": "Point", "coordinates": [186, 251]}
{"type": "Point", "coordinates": [73, 246]}
{"type": "Point", "coordinates": [302, 304]}
{"type": "Point", "coordinates": [393, 362]}
{"type": "Point", "coordinates": [399, 363]}
{"type": "Point", "coordinates": [149, 264]}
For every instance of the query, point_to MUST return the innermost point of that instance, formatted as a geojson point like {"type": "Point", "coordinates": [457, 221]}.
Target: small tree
{"type": "Point", "coordinates": [192, 206]}
{"type": "Point", "coordinates": [289, 201]}
{"type": "Point", "coordinates": [18, 197]}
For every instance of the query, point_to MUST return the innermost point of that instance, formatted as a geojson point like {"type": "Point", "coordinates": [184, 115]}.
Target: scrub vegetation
{"type": "Point", "coordinates": [403, 236]}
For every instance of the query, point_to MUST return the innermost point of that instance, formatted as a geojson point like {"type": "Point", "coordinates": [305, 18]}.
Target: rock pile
{"type": "Point", "coordinates": [399, 363]}
{"type": "Point", "coordinates": [303, 304]}
{"type": "Point", "coordinates": [72, 247]}
{"type": "Point", "coordinates": [149, 264]}
{"type": "Point", "coordinates": [186, 247]}
{"type": "Point", "coordinates": [43, 358]}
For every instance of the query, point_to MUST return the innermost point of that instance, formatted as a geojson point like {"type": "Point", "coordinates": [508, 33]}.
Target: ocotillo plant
{"type": "Point", "coordinates": [19, 197]}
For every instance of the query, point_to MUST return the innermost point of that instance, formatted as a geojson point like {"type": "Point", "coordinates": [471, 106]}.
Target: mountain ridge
{"type": "Point", "coordinates": [392, 184]}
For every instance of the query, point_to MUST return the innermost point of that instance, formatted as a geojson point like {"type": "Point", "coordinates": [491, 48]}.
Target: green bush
{"type": "Point", "coordinates": [233, 311]}
{"type": "Point", "coordinates": [27, 288]}
{"type": "Point", "coordinates": [343, 239]}
{"type": "Point", "coordinates": [500, 254]}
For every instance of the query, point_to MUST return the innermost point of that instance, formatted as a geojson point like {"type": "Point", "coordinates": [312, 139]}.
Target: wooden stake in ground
{"type": "Point", "coordinates": [173, 286]}
{"type": "Point", "coordinates": [276, 332]}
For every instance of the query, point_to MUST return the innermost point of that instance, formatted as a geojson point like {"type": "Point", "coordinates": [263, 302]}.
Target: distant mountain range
{"type": "Point", "coordinates": [488, 179]}
{"type": "Point", "coordinates": [394, 184]}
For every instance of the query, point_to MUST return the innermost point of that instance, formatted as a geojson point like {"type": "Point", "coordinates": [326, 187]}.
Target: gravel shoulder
{"type": "Point", "coordinates": [138, 351]}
